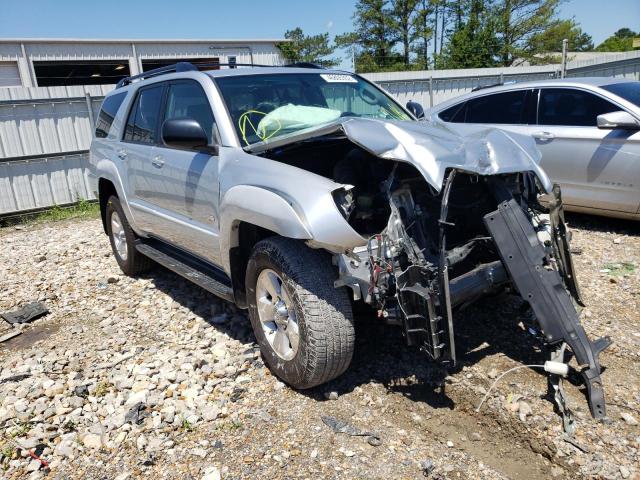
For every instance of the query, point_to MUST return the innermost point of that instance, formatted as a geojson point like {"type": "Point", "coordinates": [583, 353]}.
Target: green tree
{"type": "Point", "coordinates": [422, 32]}
{"type": "Point", "coordinates": [517, 21]}
{"type": "Point", "coordinates": [403, 13]}
{"type": "Point", "coordinates": [473, 43]}
{"type": "Point", "coordinates": [621, 41]}
{"type": "Point", "coordinates": [374, 37]}
{"type": "Point", "coordinates": [550, 40]}
{"type": "Point", "coordinates": [308, 48]}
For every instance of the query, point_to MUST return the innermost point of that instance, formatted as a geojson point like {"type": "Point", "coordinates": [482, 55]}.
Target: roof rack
{"type": "Point", "coordinates": [194, 67]}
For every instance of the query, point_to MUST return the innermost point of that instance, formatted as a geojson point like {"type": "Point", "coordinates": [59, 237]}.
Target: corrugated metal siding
{"type": "Point", "coordinates": [446, 84]}
{"type": "Point", "coordinates": [57, 121]}
{"type": "Point", "coordinates": [43, 182]}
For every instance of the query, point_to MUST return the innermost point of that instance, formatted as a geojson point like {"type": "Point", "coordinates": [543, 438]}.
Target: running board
{"type": "Point", "coordinates": [527, 265]}
{"type": "Point", "coordinates": [193, 270]}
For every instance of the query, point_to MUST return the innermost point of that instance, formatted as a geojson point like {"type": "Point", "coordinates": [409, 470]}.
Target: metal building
{"type": "Point", "coordinates": [45, 62]}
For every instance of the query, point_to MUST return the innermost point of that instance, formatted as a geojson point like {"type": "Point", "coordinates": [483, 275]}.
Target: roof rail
{"type": "Point", "coordinates": [177, 67]}
{"type": "Point", "coordinates": [194, 67]}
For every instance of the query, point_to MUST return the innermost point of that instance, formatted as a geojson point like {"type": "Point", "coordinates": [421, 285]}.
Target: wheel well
{"type": "Point", "coordinates": [248, 236]}
{"type": "Point", "coordinates": [105, 190]}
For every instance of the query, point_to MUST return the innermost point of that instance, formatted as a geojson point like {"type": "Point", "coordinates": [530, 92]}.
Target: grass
{"type": "Point", "coordinates": [186, 425]}
{"type": "Point", "coordinates": [622, 268]}
{"type": "Point", "coordinates": [101, 389]}
{"type": "Point", "coordinates": [83, 209]}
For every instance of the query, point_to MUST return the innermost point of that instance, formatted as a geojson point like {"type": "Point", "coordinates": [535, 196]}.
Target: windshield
{"type": "Point", "coordinates": [629, 91]}
{"type": "Point", "coordinates": [264, 107]}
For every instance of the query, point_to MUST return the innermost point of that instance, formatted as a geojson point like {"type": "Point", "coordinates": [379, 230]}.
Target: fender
{"type": "Point", "coordinates": [258, 206]}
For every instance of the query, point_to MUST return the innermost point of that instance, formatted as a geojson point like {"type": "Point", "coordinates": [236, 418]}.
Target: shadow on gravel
{"type": "Point", "coordinates": [492, 326]}
{"type": "Point", "coordinates": [218, 313]}
{"type": "Point", "coordinates": [603, 224]}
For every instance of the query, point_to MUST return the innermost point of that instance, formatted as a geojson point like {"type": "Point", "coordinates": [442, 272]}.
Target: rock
{"type": "Point", "coordinates": [91, 440]}
{"type": "Point", "coordinates": [449, 444]}
{"type": "Point", "coordinates": [211, 473]}
{"type": "Point", "coordinates": [629, 419]}
{"type": "Point", "coordinates": [112, 279]}
{"type": "Point", "coordinates": [524, 410]}
{"type": "Point", "coordinates": [625, 472]}
{"type": "Point", "coordinates": [333, 395]}
{"type": "Point", "coordinates": [314, 453]}
{"type": "Point", "coordinates": [141, 442]}
{"type": "Point", "coordinates": [493, 373]}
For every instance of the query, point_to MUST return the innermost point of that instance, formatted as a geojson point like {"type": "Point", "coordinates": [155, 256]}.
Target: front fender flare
{"type": "Point", "coordinates": [261, 207]}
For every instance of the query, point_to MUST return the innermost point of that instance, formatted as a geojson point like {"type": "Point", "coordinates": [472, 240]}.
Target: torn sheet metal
{"type": "Point", "coordinates": [432, 149]}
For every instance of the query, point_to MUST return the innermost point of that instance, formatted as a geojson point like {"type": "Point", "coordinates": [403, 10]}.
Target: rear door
{"type": "Point", "coordinates": [140, 135]}
{"type": "Point", "coordinates": [597, 169]}
{"type": "Point", "coordinates": [186, 187]}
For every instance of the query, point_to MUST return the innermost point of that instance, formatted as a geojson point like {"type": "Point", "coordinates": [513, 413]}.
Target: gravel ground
{"type": "Point", "coordinates": [129, 378]}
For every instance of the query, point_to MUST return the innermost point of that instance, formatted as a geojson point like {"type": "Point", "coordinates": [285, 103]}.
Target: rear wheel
{"type": "Point", "coordinates": [303, 324]}
{"type": "Point", "coordinates": [123, 238]}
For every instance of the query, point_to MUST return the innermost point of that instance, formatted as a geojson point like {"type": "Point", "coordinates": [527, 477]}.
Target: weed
{"type": "Point", "coordinates": [621, 268]}
{"type": "Point", "coordinates": [101, 389]}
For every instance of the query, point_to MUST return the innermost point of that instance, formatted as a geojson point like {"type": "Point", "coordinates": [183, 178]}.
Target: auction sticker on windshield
{"type": "Point", "coordinates": [337, 78]}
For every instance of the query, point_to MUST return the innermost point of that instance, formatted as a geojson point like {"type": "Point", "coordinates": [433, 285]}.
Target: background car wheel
{"type": "Point", "coordinates": [123, 239]}
{"type": "Point", "coordinates": [303, 324]}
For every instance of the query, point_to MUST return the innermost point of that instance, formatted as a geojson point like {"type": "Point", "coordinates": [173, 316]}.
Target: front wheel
{"type": "Point", "coordinates": [303, 324]}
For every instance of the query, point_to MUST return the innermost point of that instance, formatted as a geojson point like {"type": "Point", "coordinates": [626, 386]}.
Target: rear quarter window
{"type": "Point", "coordinates": [108, 111]}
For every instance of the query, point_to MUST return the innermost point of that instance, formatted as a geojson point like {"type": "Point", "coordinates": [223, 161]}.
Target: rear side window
{"type": "Point", "coordinates": [143, 118]}
{"type": "Point", "coordinates": [188, 100]}
{"type": "Point", "coordinates": [505, 108]}
{"type": "Point", "coordinates": [108, 112]}
{"type": "Point", "coordinates": [454, 114]}
{"type": "Point", "coordinates": [566, 106]}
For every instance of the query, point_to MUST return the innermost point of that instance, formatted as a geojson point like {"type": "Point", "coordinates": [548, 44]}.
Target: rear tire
{"type": "Point", "coordinates": [123, 240]}
{"type": "Point", "coordinates": [307, 305]}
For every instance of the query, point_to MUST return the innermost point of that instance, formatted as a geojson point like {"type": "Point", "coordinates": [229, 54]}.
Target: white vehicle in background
{"type": "Point", "coordinates": [587, 129]}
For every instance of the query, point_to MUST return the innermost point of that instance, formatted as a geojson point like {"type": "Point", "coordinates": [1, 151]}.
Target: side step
{"type": "Point", "coordinates": [203, 275]}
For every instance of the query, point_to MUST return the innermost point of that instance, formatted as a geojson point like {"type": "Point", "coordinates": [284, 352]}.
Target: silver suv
{"type": "Point", "coordinates": [294, 192]}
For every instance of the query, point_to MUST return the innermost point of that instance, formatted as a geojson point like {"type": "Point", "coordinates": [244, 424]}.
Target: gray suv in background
{"type": "Point", "coordinates": [587, 129]}
{"type": "Point", "coordinates": [294, 192]}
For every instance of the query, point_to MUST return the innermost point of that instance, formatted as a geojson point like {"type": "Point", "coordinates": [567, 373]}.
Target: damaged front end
{"type": "Point", "coordinates": [449, 220]}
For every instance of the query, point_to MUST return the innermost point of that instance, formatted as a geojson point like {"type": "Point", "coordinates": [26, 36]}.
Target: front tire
{"type": "Point", "coordinates": [303, 324]}
{"type": "Point", "coordinates": [123, 240]}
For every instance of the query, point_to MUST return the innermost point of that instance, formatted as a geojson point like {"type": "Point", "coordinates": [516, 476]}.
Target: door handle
{"type": "Point", "coordinates": [157, 161]}
{"type": "Point", "coordinates": [543, 135]}
{"type": "Point", "coordinates": [122, 154]}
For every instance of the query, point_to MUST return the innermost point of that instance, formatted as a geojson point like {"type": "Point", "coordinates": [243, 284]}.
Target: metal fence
{"type": "Point", "coordinates": [45, 133]}
{"type": "Point", "coordinates": [430, 87]}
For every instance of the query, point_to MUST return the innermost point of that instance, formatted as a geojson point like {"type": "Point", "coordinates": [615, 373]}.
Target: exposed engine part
{"type": "Point", "coordinates": [441, 251]}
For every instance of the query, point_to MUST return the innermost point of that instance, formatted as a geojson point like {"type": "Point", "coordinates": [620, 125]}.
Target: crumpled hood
{"type": "Point", "coordinates": [432, 149]}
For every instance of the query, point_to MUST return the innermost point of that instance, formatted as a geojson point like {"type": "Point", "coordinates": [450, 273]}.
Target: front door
{"type": "Point", "coordinates": [597, 169]}
{"type": "Point", "coordinates": [186, 188]}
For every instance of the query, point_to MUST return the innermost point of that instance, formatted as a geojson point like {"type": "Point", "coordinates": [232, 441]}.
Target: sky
{"type": "Point", "coordinates": [222, 19]}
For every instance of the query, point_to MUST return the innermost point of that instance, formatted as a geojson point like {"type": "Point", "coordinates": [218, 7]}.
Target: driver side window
{"type": "Point", "coordinates": [186, 99]}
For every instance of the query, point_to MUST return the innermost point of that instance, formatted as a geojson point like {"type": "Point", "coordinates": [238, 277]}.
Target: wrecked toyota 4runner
{"type": "Point", "coordinates": [283, 189]}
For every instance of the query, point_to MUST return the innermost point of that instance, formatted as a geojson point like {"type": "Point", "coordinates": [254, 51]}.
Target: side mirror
{"type": "Point", "coordinates": [416, 109]}
{"type": "Point", "coordinates": [184, 133]}
{"type": "Point", "coordinates": [618, 120]}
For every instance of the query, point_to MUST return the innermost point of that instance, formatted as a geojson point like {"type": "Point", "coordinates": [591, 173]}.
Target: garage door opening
{"type": "Point", "coordinates": [51, 74]}
{"type": "Point", "coordinates": [213, 63]}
